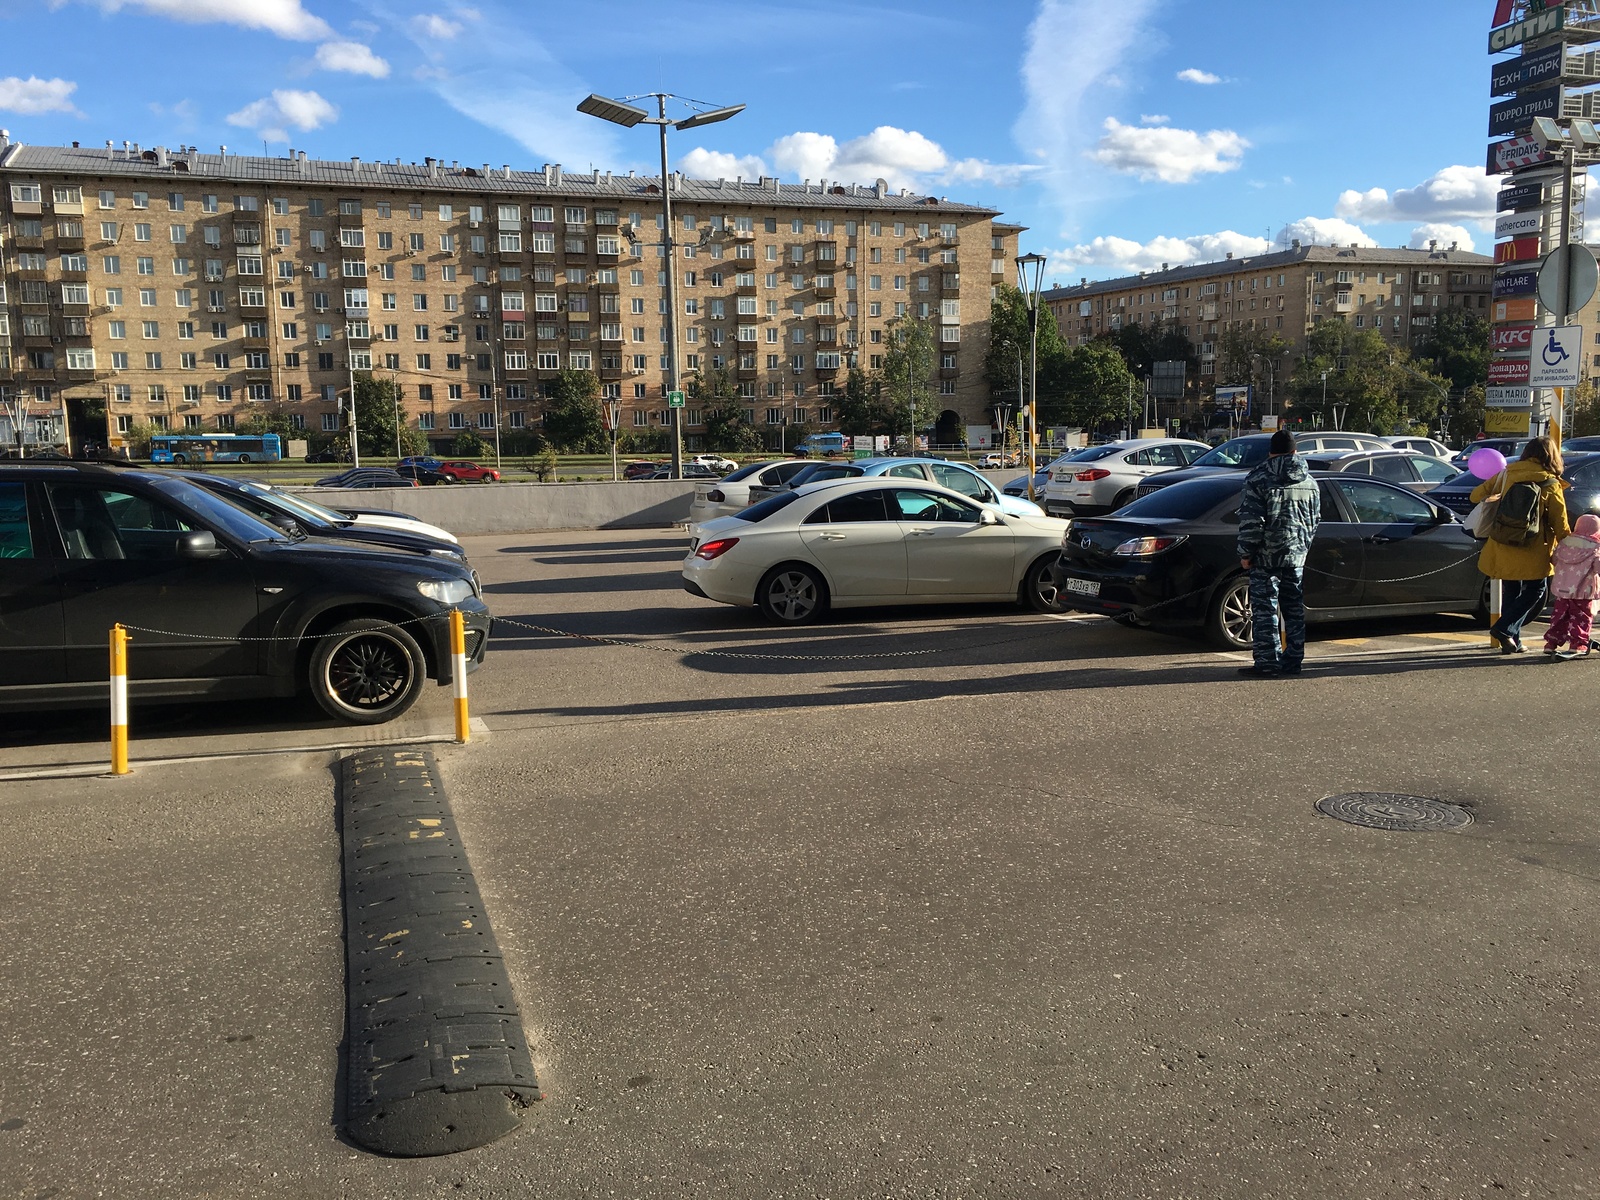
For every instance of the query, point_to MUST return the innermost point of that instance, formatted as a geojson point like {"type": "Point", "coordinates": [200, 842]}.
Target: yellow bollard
{"type": "Point", "coordinates": [1494, 608]}
{"type": "Point", "coordinates": [119, 700]}
{"type": "Point", "coordinates": [458, 673]}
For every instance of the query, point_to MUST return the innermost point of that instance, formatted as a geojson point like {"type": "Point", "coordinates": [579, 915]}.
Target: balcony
{"type": "Point", "coordinates": [949, 372]}
{"type": "Point", "coordinates": [28, 243]}
{"type": "Point", "coordinates": [743, 235]}
{"type": "Point", "coordinates": [748, 372]}
{"type": "Point", "coordinates": [825, 290]}
{"type": "Point", "coordinates": [69, 241]}
{"type": "Point", "coordinates": [252, 302]}
{"type": "Point", "coordinates": [610, 374]}
{"type": "Point", "coordinates": [832, 318]}
{"type": "Point", "coordinates": [950, 283]}
{"type": "Point", "coordinates": [255, 343]}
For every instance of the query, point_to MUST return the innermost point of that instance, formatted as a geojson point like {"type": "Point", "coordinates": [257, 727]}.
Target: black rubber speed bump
{"type": "Point", "coordinates": [436, 1057]}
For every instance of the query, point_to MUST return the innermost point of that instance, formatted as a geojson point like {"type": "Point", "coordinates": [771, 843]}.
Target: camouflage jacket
{"type": "Point", "coordinates": [1278, 513]}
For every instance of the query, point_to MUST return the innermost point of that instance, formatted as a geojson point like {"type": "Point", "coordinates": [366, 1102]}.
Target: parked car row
{"type": "Point", "coordinates": [795, 540]}
{"type": "Point", "coordinates": [238, 591]}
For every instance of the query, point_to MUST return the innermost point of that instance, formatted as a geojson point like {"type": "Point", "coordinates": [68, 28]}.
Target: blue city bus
{"type": "Point", "coordinates": [182, 448]}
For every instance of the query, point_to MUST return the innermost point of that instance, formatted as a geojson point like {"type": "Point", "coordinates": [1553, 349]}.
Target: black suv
{"type": "Point", "coordinates": [219, 604]}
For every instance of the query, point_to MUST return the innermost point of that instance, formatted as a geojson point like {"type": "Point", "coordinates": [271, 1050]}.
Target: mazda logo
{"type": "Point", "coordinates": [1086, 541]}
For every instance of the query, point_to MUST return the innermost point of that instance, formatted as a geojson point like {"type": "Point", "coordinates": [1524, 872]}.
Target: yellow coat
{"type": "Point", "coordinates": [1533, 561]}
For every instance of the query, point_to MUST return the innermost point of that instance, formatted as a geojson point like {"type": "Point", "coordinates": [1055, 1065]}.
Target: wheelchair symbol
{"type": "Point", "coordinates": [1554, 352]}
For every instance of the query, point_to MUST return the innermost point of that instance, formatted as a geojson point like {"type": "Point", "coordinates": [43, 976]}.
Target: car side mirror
{"type": "Point", "coordinates": [200, 543]}
{"type": "Point", "coordinates": [286, 523]}
{"type": "Point", "coordinates": [987, 516]}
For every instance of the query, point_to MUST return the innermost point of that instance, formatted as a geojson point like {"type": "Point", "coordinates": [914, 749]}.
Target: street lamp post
{"type": "Point", "coordinates": [627, 115]}
{"type": "Point", "coordinates": [614, 411]}
{"type": "Point", "coordinates": [1325, 395]}
{"type": "Point", "coordinates": [355, 435]}
{"type": "Point", "coordinates": [1030, 278]}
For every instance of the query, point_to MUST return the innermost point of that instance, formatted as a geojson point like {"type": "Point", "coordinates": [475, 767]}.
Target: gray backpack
{"type": "Point", "coordinates": [1518, 518]}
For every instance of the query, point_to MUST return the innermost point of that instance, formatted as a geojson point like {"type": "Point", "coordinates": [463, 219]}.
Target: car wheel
{"type": "Point", "coordinates": [244, 458]}
{"type": "Point", "coordinates": [485, 479]}
{"type": "Point", "coordinates": [366, 672]}
{"type": "Point", "coordinates": [792, 594]}
{"type": "Point", "coordinates": [180, 459]}
{"type": "Point", "coordinates": [1039, 587]}
{"type": "Point", "coordinates": [1228, 622]}
{"type": "Point", "coordinates": [1124, 498]}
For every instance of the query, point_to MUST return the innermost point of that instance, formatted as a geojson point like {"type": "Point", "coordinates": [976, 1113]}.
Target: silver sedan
{"type": "Point", "coordinates": [871, 541]}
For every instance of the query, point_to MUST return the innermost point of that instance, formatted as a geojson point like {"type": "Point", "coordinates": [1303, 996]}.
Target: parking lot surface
{"type": "Point", "coordinates": [916, 903]}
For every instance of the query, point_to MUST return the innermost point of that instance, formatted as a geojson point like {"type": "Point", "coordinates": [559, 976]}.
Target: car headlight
{"type": "Point", "coordinates": [445, 591]}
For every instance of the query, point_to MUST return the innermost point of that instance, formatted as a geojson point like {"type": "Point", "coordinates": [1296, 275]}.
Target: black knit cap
{"type": "Point", "coordinates": [1282, 442]}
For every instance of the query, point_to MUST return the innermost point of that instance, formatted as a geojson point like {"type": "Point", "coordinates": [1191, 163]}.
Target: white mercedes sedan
{"type": "Point", "coordinates": [851, 543]}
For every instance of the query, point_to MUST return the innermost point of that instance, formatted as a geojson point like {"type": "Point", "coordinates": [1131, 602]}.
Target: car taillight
{"type": "Point", "coordinates": [1143, 547]}
{"type": "Point", "coordinates": [1091, 474]}
{"type": "Point", "coordinates": [715, 496]}
{"type": "Point", "coordinates": [715, 548]}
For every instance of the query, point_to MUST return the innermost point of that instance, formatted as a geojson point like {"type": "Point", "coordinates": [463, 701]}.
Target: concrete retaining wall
{"type": "Point", "coordinates": [467, 508]}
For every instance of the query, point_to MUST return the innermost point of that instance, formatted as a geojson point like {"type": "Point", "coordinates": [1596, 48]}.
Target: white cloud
{"type": "Point", "coordinates": [1075, 48]}
{"type": "Point", "coordinates": [283, 17]}
{"type": "Point", "coordinates": [1125, 256]}
{"type": "Point", "coordinates": [1452, 194]}
{"type": "Point", "coordinates": [1154, 119]}
{"type": "Point", "coordinates": [432, 27]}
{"type": "Point", "coordinates": [352, 57]}
{"type": "Point", "coordinates": [901, 157]}
{"type": "Point", "coordinates": [272, 115]}
{"type": "Point", "coordinates": [34, 95]}
{"type": "Point", "coordinates": [700, 163]}
{"type": "Point", "coordinates": [806, 155]}
{"type": "Point", "coordinates": [1170, 155]}
{"type": "Point", "coordinates": [1324, 231]}
{"type": "Point", "coordinates": [1443, 233]}
{"type": "Point", "coordinates": [1196, 75]}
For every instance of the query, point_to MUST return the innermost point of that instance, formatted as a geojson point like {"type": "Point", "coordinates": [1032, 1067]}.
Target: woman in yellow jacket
{"type": "Point", "coordinates": [1524, 570]}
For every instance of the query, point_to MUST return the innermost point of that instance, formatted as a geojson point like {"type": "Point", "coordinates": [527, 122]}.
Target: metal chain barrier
{"type": "Point", "coordinates": [605, 641]}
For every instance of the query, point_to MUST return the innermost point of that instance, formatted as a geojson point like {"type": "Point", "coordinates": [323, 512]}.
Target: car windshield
{"type": "Point", "coordinates": [1240, 452]}
{"type": "Point", "coordinates": [745, 472]}
{"type": "Point", "coordinates": [230, 518]}
{"type": "Point", "coordinates": [1186, 501]}
{"type": "Point", "coordinates": [1094, 453]}
{"type": "Point", "coordinates": [763, 510]}
{"type": "Point", "coordinates": [313, 512]}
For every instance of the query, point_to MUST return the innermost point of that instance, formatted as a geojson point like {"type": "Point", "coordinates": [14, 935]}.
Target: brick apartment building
{"type": "Point", "coordinates": [182, 288]}
{"type": "Point", "coordinates": [1395, 291]}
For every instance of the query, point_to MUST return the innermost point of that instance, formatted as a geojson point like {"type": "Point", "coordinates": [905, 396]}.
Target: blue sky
{"type": "Point", "coordinates": [1124, 133]}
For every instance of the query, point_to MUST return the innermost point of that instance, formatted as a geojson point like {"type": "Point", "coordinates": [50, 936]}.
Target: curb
{"type": "Point", "coordinates": [436, 1058]}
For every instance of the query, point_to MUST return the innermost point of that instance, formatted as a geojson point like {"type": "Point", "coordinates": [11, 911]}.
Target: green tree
{"type": "Point", "coordinates": [572, 421]}
{"type": "Point", "coordinates": [468, 445]}
{"type": "Point", "coordinates": [722, 413]}
{"type": "Point", "coordinates": [1255, 357]}
{"type": "Point", "coordinates": [908, 393]}
{"type": "Point", "coordinates": [854, 407]}
{"type": "Point", "coordinates": [1009, 338]}
{"type": "Point", "coordinates": [375, 414]}
{"type": "Point", "coordinates": [268, 420]}
{"type": "Point", "coordinates": [1376, 382]}
{"type": "Point", "coordinates": [1094, 386]}
{"type": "Point", "coordinates": [1457, 347]}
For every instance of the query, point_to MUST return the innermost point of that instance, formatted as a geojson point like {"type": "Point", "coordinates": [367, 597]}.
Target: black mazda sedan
{"type": "Point", "coordinates": [219, 603]}
{"type": "Point", "coordinates": [1169, 559]}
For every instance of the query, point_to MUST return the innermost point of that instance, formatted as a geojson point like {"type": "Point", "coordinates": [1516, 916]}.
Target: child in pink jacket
{"type": "Point", "coordinates": [1576, 586]}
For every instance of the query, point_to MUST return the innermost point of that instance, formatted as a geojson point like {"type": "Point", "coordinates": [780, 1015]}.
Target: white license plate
{"type": "Point", "coordinates": [1084, 587]}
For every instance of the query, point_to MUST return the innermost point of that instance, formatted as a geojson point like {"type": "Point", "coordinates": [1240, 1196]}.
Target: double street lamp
{"type": "Point", "coordinates": [1030, 279]}
{"type": "Point", "coordinates": [619, 112]}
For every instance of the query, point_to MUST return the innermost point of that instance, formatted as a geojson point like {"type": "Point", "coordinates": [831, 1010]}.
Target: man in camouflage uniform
{"type": "Point", "coordinates": [1278, 514]}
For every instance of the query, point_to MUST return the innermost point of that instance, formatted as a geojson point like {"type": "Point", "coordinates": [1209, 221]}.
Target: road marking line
{"type": "Point", "coordinates": [1472, 638]}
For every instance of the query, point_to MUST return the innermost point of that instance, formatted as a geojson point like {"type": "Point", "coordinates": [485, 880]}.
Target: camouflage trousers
{"type": "Point", "coordinates": [1272, 588]}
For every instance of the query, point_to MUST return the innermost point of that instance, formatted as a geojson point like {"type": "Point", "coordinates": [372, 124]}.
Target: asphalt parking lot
{"type": "Point", "coordinates": [920, 902]}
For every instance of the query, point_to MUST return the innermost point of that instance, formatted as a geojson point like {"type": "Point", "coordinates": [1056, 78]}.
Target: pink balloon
{"type": "Point", "coordinates": [1486, 462]}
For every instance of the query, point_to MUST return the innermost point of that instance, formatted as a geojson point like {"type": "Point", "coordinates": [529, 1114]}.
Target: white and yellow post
{"type": "Point", "coordinates": [119, 700]}
{"type": "Point", "coordinates": [1494, 609]}
{"type": "Point", "coordinates": [458, 672]}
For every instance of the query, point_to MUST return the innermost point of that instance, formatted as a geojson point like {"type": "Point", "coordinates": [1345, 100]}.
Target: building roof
{"type": "Point", "coordinates": [1338, 255]}
{"type": "Point", "coordinates": [433, 175]}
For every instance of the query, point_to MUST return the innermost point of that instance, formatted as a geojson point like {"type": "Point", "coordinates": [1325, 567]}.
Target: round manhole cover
{"type": "Point", "coordinates": [1394, 811]}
